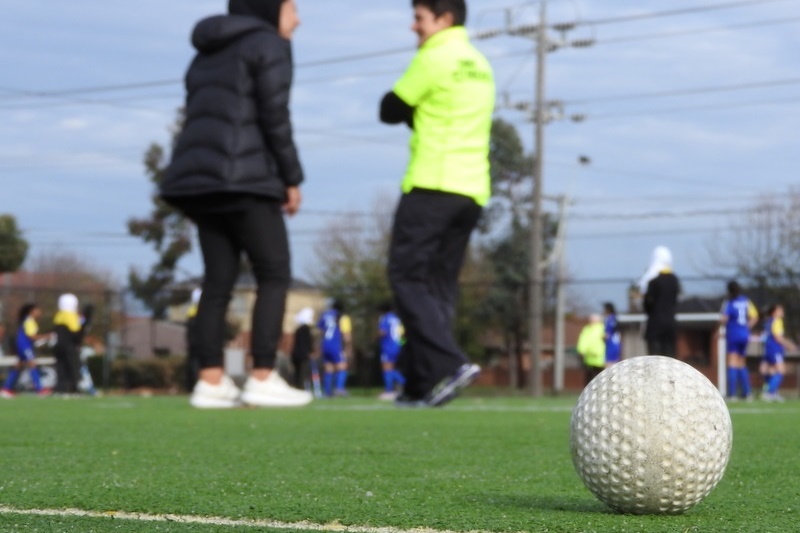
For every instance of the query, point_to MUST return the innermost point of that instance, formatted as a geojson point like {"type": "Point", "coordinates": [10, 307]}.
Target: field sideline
{"type": "Point", "coordinates": [356, 465]}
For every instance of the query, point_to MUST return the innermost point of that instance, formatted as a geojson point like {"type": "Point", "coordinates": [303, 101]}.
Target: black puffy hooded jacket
{"type": "Point", "coordinates": [237, 136]}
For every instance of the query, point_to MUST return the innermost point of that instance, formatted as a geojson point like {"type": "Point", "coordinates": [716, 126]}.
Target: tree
{"type": "Point", "coordinates": [168, 231]}
{"type": "Point", "coordinates": [763, 252]}
{"type": "Point", "coordinates": [351, 259]}
{"type": "Point", "coordinates": [512, 179]}
{"type": "Point", "coordinates": [13, 247]}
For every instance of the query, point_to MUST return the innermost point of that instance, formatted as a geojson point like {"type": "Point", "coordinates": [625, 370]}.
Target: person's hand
{"type": "Point", "coordinates": [293, 200]}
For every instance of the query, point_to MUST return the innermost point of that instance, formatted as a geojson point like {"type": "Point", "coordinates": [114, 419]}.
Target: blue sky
{"type": "Point", "coordinates": [691, 116]}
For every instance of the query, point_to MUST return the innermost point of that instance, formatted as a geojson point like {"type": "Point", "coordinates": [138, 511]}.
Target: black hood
{"type": "Point", "coordinates": [268, 10]}
{"type": "Point", "coordinates": [215, 33]}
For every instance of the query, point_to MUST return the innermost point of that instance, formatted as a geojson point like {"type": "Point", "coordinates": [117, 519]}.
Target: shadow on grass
{"type": "Point", "coordinates": [553, 502]}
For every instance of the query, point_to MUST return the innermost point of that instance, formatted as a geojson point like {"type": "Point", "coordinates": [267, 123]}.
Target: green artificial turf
{"type": "Point", "coordinates": [489, 464]}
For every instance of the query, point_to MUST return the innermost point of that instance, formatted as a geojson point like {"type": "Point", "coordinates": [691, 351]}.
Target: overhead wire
{"type": "Point", "coordinates": [397, 51]}
{"type": "Point", "coordinates": [408, 49]}
{"type": "Point", "coordinates": [675, 12]}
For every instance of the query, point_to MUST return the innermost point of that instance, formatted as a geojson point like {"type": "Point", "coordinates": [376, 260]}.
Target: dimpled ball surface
{"type": "Point", "coordinates": [650, 435]}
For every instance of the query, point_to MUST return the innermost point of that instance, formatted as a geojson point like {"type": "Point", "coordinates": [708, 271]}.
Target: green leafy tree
{"type": "Point", "coordinates": [168, 231]}
{"type": "Point", "coordinates": [507, 224]}
{"type": "Point", "coordinates": [13, 247]}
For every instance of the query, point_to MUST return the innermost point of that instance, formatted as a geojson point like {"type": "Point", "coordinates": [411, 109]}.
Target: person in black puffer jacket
{"type": "Point", "coordinates": [234, 171]}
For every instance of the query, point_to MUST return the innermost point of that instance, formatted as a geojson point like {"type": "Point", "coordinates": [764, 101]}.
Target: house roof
{"type": "Point", "coordinates": [55, 281]}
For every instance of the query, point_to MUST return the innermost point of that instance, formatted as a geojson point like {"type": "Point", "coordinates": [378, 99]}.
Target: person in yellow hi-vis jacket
{"type": "Point", "coordinates": [592, 347]}
{"type": "Point", "coordinates": [447, 97]}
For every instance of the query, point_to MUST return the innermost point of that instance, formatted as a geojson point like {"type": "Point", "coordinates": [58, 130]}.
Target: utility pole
{"type": "Point", "coordinates": [541, 116]}
{"type": "Point", "coordinates": [561, 274]}
{"type": "Point", "coordinates": [536, 281]}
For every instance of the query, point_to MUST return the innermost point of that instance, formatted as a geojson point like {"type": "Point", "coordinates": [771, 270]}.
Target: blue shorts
{"type": "Point", "coordinates": [333, 358]}
{"type": "Point", "coordinates": [26, 355]}
{"type": "Point", "coordinates": [773, 358]}
{"type": "Point", "coordinates": [613, 358]}
{"type": "Point", "coordinates": [738, 347]}
{"type": "Point", "coordinates": [388, 358]}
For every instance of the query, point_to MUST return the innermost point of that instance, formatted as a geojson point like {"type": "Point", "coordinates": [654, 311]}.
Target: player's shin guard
{"type": "Point", "coordinates": [327, 383]}
{"type": "Point", "coordinates": [341, 379]}
{"type": "Point", "coordinates": [35, 379]}
{"type": "Point", "coordinates": [733, 381]}
{"type": "Point", "coordinates": [11, 380]}
{"type": "Point", "coordinates": [775, 383]}
{"type": "Point", "coordinates": [744, 377]}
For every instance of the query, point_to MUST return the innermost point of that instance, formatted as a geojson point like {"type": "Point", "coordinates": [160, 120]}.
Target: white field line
{"type": "Point", "coordinates": [214, 521]}
{"type": "Point", "coordinates": [459, 408]}
{"type": "Point", "coordinates": [472, 408]}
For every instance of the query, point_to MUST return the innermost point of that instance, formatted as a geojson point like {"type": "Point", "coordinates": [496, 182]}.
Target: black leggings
{"type": "Point", "coordinates": [258, 230]}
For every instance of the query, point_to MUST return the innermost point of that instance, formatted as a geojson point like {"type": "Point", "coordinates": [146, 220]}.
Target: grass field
{"type": "Point", "coordinates": [487, 464]}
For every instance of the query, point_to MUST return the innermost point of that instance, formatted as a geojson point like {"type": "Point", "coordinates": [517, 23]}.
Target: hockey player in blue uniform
{"type": "Point", "coordinates": [775, 346]}
{"type": "Point", "coordinates": [739, 315]}
{"type": "Point", "coordinates": [335, 345]}
{"type": "Point", "coordinates": [390, 331]}
{"type": "Point", "coordinates": [27, 336]}
{"type": "Point", "coordinates": [612, 335]}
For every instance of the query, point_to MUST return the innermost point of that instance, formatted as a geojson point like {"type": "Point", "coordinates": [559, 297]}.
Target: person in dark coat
{"type": "Point", "coordinates": [660, 288]}
{"type": "Point", "coordinates": [69, 332]}
{"type": "Point", "coordinates": [235, 171]}
{"type": "Point", "coordinates": [302, 347]}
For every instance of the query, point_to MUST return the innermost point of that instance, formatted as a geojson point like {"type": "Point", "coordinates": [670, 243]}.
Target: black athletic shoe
{"type": "Point", "coordinates": [405, 401]}
{"type": "Point", "coordinates": [451, 386]}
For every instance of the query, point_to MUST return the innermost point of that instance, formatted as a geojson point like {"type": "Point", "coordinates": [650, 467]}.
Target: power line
{"type": "Point", "coordinates": [688, 91]}
{"type": "Point", "coordinates": [675, 12]}
{"type": "Point", "coordinates": [696, 31]}
{"type": "Point", "coordinates": [91, 89]}
{"type": "Point", "coordinates": [659, 214]}
{"type": "Point", "coordinates": [708, 107]}
{"type": "Point", "coordinates": [28, 93]}
{"type": "Point", "coordinates": [296, 237]}
{"type": "Point", "coordinates": [649, 233]}
{"type": "Point", "coordinates": [356, 57]}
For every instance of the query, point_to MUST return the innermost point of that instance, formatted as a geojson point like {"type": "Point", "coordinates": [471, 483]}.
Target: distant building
{"type": "Point", "coordinates": [143, 337]}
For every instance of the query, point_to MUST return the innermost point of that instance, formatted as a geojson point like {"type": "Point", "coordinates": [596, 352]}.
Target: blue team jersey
{"type": "Point", "coordinates": [737, 314]}
{"type": "Point", "coordinates": [391, 332]}
{"type": "Point", "coordinates": [613, 339]}
{"type": "Point", "coordinates": [773, 329]}
{"type": "Point", "coordinates": [331, 332]}
{"type": "Point", "coordinates": [27, 330]}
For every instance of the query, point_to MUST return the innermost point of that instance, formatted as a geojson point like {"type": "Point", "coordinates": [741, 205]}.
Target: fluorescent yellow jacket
{"type": "Point", "coordinates": [591, 344]}
{"type": "Point", "coordinates": [450, 85]}
{"type": "Point", "coordinates": [69, 319]}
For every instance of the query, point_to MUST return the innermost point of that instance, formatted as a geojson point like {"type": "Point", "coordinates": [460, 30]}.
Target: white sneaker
{"type": "Point", "coordinates": [273, 392]}
{"type": "Point", "coordinates": [222, 396]}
